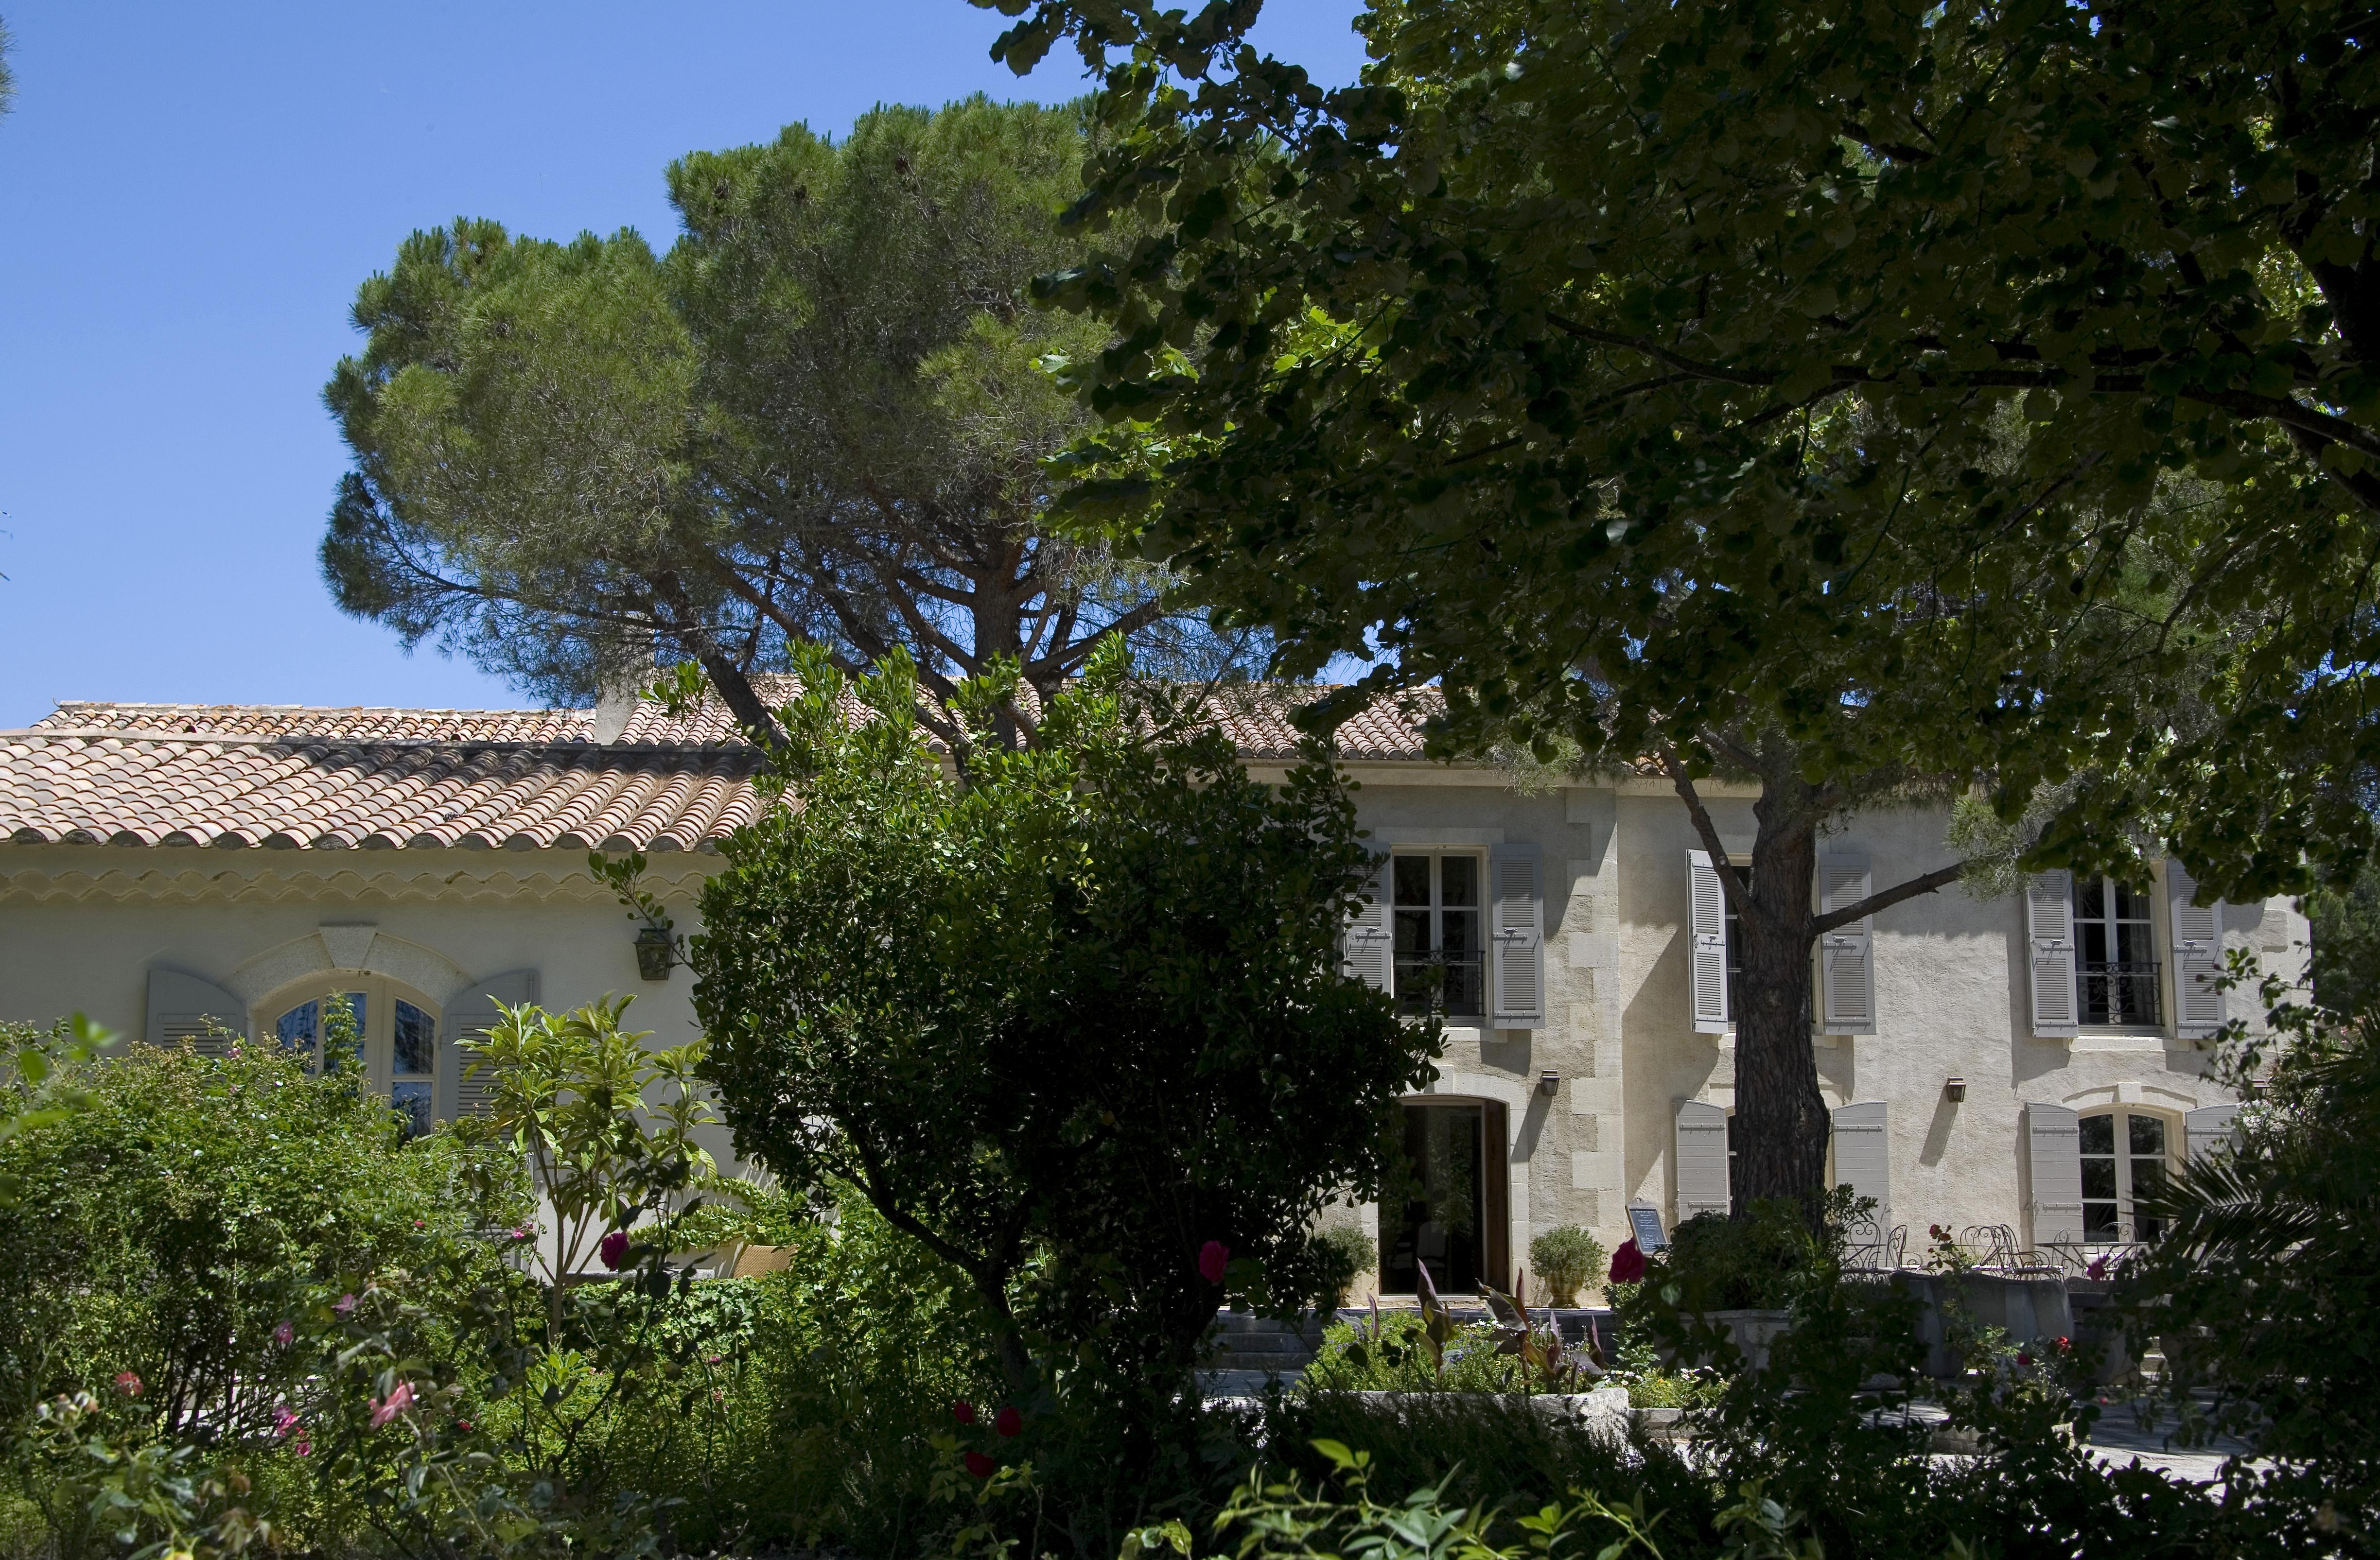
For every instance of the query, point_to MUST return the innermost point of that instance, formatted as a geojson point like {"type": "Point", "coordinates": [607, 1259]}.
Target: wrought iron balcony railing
{"type": "Point", "coordinates": [2114, 993]}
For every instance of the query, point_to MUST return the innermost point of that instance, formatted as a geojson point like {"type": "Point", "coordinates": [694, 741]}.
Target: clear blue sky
{"type": "Point", "coordinates": [189, 195]}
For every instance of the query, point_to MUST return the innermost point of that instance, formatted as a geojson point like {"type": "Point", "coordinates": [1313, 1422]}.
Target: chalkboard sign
{"type": "Point", "coordinates": [1645, 1223]}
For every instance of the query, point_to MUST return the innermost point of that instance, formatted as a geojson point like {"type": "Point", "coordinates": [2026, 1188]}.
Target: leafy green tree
{"type": "Point", "coordinates": [817, 420]}
{"type": "Point", "coordinates": [2264, 1284]}
{"type": "Point", "coordinates": [8, 75]}
{"type": "Point", "coordinates": [1941, 400]}
{"type": "Point", "coordinates": [1066, 1018]}
{"type": "Point", "coordinates": [2344, 921]}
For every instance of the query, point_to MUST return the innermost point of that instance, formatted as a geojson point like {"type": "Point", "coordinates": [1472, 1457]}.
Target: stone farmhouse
{"type": "Point", "coordinates": [2029, 1062]}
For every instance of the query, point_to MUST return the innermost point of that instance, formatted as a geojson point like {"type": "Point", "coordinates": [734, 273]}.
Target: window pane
{"type": "Point", "coordinates": [2098, 1178]}
{"type": "Point", "coordinates": [1460, 930]}
{"type": "Point", "coordinates": [2147, 1133]}
{"type": "Point", "coordinates": [2131, 904]}
{"type": "Point", "coordinates": [296, 1027]}
{"type": "Point", "coordinates": [355, 1011]}
{"type": "Point", "coordinates": [1412, 880]}
{"type": "Point", "coordinates": [2132, 943]}
{"type": "Point", "coordinates": [2148, 1177]}
{"type": "Point", "coordinates": [2091, 897]}
{"type": "Point", "coordinates": [2098, 1221]}
{"type": "Point", "coordinates": [1465, 991]}
{"type": "Point", "coordinates": [2098, 1135]}
{"type": "Point", "coordinates": [1412, 931]}
{"type": "Point", "coordinates": [412, 1102]}
{"type": "Point", "coordinates": [1458, 881]}
{"type": "Point", "coordinates": [416, 1040]}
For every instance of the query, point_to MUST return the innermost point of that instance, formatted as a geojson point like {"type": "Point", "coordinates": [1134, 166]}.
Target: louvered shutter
{"type": "Point", "coordinates": [470, 1016]}
{"type": "Point", "coordinates": [1707, 930]}
{"type": "Point", "coordinates": [1368, 946]}
{"type": "Point", "coordinates": [1863, 1155]}
{"type": "Point", "coordinates": [1847, 954]}
{"type": "Point", "coordinates": [2209, 1127]}
{"type": "Point", "coordinates": [2049, 935]}
{"type": "Point", "coordinates": [2052, 1150]}
{"type": "Point", "coordinates": [1702, 1160]}
{"type": "Point", "coordinates": [1516, 879]}
{"type": "Point", "coordinates": [186, 1008]}
{"type": "Point", "coordinates": [2197, 957]}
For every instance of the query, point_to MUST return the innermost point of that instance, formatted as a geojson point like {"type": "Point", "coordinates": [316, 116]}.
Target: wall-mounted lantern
{"type": "Point", "coordinates": [1550, 1081]}
{"type": "Point", "coordinates": [657, 949]}
{"type": "Point", "coordinates": [1954, 1090]}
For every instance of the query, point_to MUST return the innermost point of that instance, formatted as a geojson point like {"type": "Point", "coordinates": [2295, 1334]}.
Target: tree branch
{"type": "Point", "coordinates": [1928, 883]}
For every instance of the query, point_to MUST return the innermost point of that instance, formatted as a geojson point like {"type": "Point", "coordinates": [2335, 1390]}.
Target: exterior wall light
{"type": "Point", "coordinates": [656, 951]}
{"type": "Point", "coordinates": [1550, 1081]}
{"type": "Point", "coordinates": [1954, 1090]}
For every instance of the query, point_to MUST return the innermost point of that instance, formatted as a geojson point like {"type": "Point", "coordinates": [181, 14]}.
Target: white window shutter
{"type": "Point", "coordinates": [1847, 954]}
{"type": "Point", "coordinates": [186, 1008]}
{"type": "Point", "coordinates": [1368, 946]}
{"type": "Point", "coordinates": [1516, 879]}
{"type": "Point", "coordinates": [2049, 938]}
{"type": "Point", "coordinates": [2197, 957]}
{"type": "Point", "coordinates": [1864, 1156]}
{"type": "Point", "coordinates": [470, 1016]}
{"type": "Point", "coordinates": [2053, 1151]}
{"type": "Point", "coordinates": [1707, 899]}
{"type": "Point", "coordinates": [2208, 1128]}
{"type": "Point", "coordinates": [1702, 1160]}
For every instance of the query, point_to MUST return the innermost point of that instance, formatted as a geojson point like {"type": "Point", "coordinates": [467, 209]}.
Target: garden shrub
{"type": "Point", "coordinates": [1565, 1259]}
{"type": "Point", "coordinates": [1390, 1353]}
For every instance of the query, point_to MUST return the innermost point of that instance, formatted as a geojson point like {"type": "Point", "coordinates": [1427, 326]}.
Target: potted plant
{"type": "Point", "coordinates": [1565, 1258]}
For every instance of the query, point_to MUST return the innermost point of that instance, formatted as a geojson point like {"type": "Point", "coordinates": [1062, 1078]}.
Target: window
{"type": "Point", "coordinates": [2116, 971]}
{"type": "Point", "coordinates": [1436, 900]}
{"type": "Point", "coordinates": [397, 1041]}
{"type": "Point", "coordinates": [2125, 1154]}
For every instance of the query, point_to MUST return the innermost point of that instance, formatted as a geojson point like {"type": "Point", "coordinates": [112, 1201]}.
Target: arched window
{"type": "Point", "coordinates": [398, 1031]}
{"type": "Point", "coordinates": [2126, 1154]}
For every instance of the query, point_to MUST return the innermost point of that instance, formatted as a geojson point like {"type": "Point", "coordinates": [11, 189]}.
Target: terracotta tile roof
{"type": "Point", "coordinates": [306, 777]}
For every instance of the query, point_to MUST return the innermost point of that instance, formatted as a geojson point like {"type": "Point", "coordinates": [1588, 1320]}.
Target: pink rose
{"type": "Point", "coordinates": [1627, 1263]}
{"type": "Point", "coordinates": [284, 1335]}
{"type": "Point", "coordinates": [1212, 1259]}
{"type": "Point", "coordinates": [980, 1466]}
{"type": "Point", "coordinates": [302, 1446]}
{"type": "Point", "coordinates": [398, 1398]}
{"type": "Point", "coordinates": [284, 1419]}
{"type": "Point", "coordinates": [1008, 1422]}
{"type": "Point", "coordinates": [127, 1383]}
{"type": "Point", "coordinates": [346, 1304]}
{"type": "Point", "coordinates": [613, 1248]}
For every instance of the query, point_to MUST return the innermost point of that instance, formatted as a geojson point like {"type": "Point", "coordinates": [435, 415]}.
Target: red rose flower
{"type": "Point", "coordinates": [980, 1466]}
{"type": "Point", "coordinates": [963, 1412]}
{"type": "Point", "coordinates": [2065, 1345]}
{"type": "Point", "coordinates": [1008, 1422]}
{"type": "Point", "coordinates": [2022, 1358]}
{"type": "Point", "coordinates": [613, 1248]}
{"type": "Point", "coordinates": [1212, 1257]}
{"type": "Point", "coordinates": [1627, 1263]}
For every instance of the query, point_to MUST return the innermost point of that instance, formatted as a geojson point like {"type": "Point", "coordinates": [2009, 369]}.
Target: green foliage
{"type": "Point", "coordinates": [1565, 1259]}
{"type": "Point", "coordinates": [1942, 387]}
{"type": "Point", "coordinates": [2265, 1287]}
{"type": "Point", "coordinates": [38, 1072]}
{"type": "Point", "coordinates": [170, 1225]}
{"type": "Point", "coordinates": [606, 1127]}
{"type": "Point", "coordinates": [1343, 1254]}
{"type": "Point", "coordinates": [1391, 1353]}
{"type": "Point", "coordinates": [1048, 1013]}
{"type": "Point", "coordinates": [2345, 922]}
{"type": "Point", "coordinates": [819, 417]}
